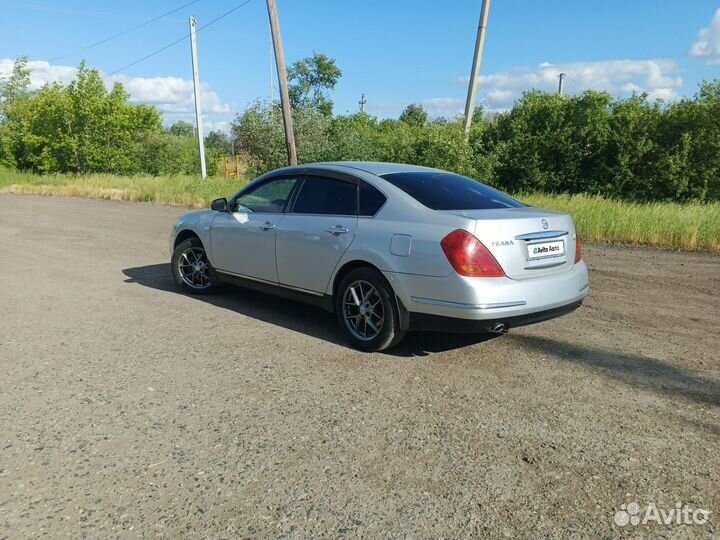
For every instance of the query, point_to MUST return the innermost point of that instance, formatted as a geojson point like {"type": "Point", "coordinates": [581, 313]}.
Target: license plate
{"type": "Point", "coordinates": [546, 249]}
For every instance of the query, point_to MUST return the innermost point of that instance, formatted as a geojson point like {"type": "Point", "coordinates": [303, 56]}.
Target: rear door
{"type": "Point", "coordinates": [317, 230]}
{"type": "Point", "coordinates": [243, 239]}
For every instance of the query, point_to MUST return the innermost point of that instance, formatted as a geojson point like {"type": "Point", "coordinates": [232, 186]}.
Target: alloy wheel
{"type": "Point", "coordinates": [194, 268]}
{"type": "Point", "coordinates": [363, 310]}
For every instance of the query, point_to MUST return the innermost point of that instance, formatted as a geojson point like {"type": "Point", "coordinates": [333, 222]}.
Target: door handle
{"type": "Point", "coordinates": [267, 226]}
{"type": "Point", "coordinates": [338, 229]}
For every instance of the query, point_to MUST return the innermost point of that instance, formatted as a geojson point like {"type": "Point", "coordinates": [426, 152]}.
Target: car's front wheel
{"type": "Point", "coordinates": [191, 269]}
{"type": "Point", "coordinates": [366, 310]}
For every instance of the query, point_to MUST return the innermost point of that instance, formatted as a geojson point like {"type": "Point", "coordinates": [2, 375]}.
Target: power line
{"type": "Point", "coordinates": [149, 55]}
{"type": "Point", "coordinates": [576, 83]}
{"type": "Point", "coordinates": [82, 12]}
{"type": "Point", "coordinates": [119, 34]}
{"type": "Point", "coordinates": [186, 36]}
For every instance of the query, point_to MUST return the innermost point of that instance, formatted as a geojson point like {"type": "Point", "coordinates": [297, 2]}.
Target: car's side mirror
{"type": "Point", "coordinates": [219, 205]}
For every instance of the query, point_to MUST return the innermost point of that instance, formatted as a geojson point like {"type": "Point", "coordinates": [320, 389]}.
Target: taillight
{"type": "Point", "coordinates": [578, 253]}
{"type": "Point", "coordinates": [468, 256]}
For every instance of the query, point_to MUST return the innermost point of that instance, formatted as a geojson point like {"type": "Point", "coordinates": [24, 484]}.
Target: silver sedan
{"type": "Point", "coordinates": [388, 248]}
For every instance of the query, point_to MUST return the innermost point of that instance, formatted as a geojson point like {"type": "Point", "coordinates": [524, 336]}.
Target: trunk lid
{"type": "Point", "coordinates": [527, 242]}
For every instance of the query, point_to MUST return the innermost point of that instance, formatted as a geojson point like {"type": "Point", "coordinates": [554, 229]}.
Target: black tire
{"type": "Point", "coordinates": [351, 322]}
{"type": "Point", "coordinates": [187, 253]}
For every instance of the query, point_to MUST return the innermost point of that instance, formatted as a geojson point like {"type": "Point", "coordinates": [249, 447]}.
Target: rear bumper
{"type": "Point", "coordinates": [491, 299]}
{"type": "Point", "coordinates": [437, 323]}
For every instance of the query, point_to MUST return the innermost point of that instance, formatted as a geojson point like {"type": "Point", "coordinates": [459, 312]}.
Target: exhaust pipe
{"type": "Point", "coordinates": [499, 328]}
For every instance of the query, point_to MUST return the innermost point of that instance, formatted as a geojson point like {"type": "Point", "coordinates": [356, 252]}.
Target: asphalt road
{"type": "Point", "coordinates": [129, 410]}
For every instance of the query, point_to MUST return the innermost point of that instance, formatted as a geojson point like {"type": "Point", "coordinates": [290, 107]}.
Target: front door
{"type": "Point", "coordinates": [243, 239]}
{"type": "Point", "coordinates": [316, 232]}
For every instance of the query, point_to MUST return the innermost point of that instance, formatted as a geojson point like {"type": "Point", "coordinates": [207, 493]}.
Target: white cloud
{"type": "Point", "coordinates": [498, 91]}
{"type": "Point", "coordinates": [384, 105]}
{"type": "Point", "coordinates": [500, 96]}
{"type": "Point", "coordinates": [222, 125]}
{"type": "Point", "coordinates": [440, 106]}
{"type": "Point", "coordinates": [618, 77]}
{"type": "Point", "coordinates": [630, 87]}
{"type": "Point", "coordinates": [443, 106]}
{"type": "Point", "coordinates": [707, 42]}
{"type": "Point", "coordinates": [42, 72]}
{"type": "Point", "coordinates": [173, 96]}
{"type": "Point", "coordinates": [665, 94]}
{"type": "Point", "coordinates": [170, 94]}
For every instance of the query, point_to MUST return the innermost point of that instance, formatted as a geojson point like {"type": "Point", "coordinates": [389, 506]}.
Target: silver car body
{"type": "Point", "coordinates": [305, 253]}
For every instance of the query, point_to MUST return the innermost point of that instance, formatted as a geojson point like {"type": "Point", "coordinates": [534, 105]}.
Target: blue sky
{"type": "Point", "coordinates": [395, 52]}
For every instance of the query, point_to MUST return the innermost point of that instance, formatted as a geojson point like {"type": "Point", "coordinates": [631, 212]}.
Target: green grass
{"type": "Point", "coordinates": [689, 226]}
{"type": "Point", "coordinates": [692, 226]}
{"type": "Point", "coordinates": [187, 191]}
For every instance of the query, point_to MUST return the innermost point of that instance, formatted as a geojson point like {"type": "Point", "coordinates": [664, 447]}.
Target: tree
{"type": "Point", "coordinates": [78, 128]}
{"type": "Point", "coordinates": [17, 84]}
{"type": "Point", "coordinates": [182, 129]}
{"type": "Point", "coordinates": [691, 130]}
{"type": "Point", "coordinates": [550, 143]}
{"type": "Point", "coordinates": [414, 115]}
{"type": "Point", "coordinates": [219, 142]}
{"type": "Point", "coordinates": [630, 148]}
{"type": "Point", "coordinates": [258, 133]}
{"type": "Point", "coordinates": [443, 146]}
{"type": "Point", "coordinates": [311, 79]}
{"type": "Point", "coordinates": [477, 115]}
{"type": "Point", "coordinates": [11, 88]}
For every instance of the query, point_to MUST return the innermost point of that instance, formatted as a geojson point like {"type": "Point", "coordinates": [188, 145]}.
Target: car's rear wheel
{"type": "Point", "coordinates": [367, 311]}
{"type": "Point", "coordinates": [191, 269]}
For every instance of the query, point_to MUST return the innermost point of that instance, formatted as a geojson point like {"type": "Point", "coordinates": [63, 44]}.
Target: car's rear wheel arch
{"type": "Point", "coordinates": [362, 293]}
{"type": "Point", "coordinates": [349, 266]}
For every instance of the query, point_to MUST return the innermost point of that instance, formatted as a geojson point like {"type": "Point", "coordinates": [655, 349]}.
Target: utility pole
{"type": "Point", "coordinates": [561, 83]}
{"type": "Point", "coordinates": [196, 89]}
{"type": "Point", "coordinates": [362, 103]}
{"type": "Point", "coordinates": [282, 81]}
{"type": "Point", "coordinates": [477, 59]}
{"type": "Point", "coordinates": [272, 90]}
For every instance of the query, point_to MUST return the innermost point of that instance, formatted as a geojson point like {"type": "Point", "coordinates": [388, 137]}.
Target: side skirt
{"type": "Point", "coordinates": [324, 301]}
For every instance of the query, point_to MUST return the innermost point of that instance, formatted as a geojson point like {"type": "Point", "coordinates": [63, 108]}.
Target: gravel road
{"type": "Point", "coordinates": [128, 410]}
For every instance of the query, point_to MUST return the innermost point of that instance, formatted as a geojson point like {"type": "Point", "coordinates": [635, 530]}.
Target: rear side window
{"type": "Point", "coordinates": [448, 191]}
{"type": "Point", "coordinates": [320, 195]}
{"type": "Point", "coordinates": [370, 200]}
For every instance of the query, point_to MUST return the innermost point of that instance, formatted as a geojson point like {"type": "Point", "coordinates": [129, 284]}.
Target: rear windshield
{"type": "Point", "coordinates": [447, 191]}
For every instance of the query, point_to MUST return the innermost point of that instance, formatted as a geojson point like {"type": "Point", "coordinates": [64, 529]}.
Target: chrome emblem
{"type": "Point", "coordinates": [544, 223]}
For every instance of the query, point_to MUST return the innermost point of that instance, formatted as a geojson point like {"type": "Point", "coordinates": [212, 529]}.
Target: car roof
{"type": "Point", "coordinates": [373, 167]}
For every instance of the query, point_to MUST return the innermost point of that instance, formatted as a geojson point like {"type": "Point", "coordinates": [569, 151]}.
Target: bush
{"type": "Point", "coordinates": [632, 148]}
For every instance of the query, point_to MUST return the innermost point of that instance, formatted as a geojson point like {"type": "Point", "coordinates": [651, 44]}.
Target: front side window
{"type": "Point", "coordinates": [320, 195]}
{"type": "Point", "coordinates": [448, 191]}
{"type": "Point", "coordinates": [270, 198]}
